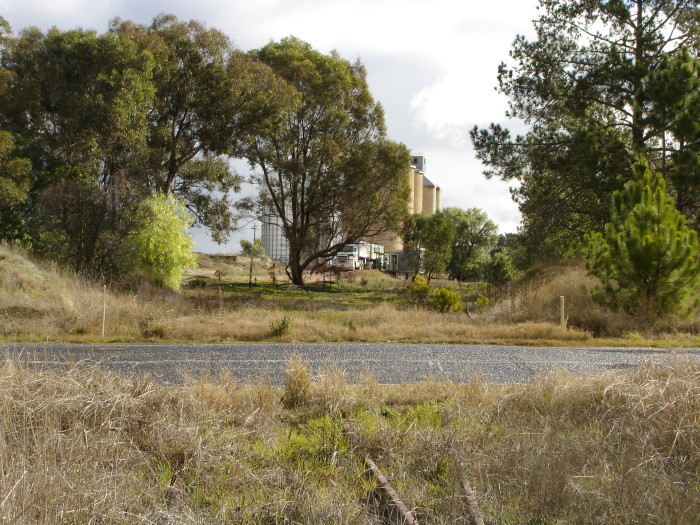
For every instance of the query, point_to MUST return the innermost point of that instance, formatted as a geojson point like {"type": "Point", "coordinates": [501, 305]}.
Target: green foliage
{"type": "Point", "coordinates": [14, 173]}
{"type": "Point", "coordinates": [481, 301]}
{"type": "Point", "coordinates": [209, 99]}
{"type": "Point", "coordinates": [108, 119]}
{"type": "Point", "coordinates": [14, 188]}
{"type": "Point", "coordinates": [673, 94]}
{"type": "Point", "coordinates": [327, 171]}
{"type": "Point", "coordinates": [161, 246]}
{"type": "Point", "coordinates": [418, 290]}
{"type": "Point", "coordinates": [421, 294]}
{"type": "Point", "coordinates": [500, 269]}
{"type": "Point", "coordinates": [596, 93]}
{"type": "Point", "coordinates": [432, 233]}
{"type": "Point", "coordinates": [475, 235]}
{"type": "Point", "coordinates": [647, 259]}
{"type": "Point", "coordinates": [445, 300]}
{"type": "Point", "coordinates": [253, 249]}
{"type": "Point", "coordinates": [281, 327]}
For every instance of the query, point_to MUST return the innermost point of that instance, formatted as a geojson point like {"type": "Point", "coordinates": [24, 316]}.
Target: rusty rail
{"type": "Point", "coordinates": [469, 498]}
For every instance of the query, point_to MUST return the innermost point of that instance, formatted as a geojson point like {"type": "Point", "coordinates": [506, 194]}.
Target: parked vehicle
{"type": "Point", "coordinates": [360, 256]}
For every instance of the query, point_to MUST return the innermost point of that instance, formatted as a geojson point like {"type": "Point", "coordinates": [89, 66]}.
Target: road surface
{"type": "Point", "coordinates": [388, 362]}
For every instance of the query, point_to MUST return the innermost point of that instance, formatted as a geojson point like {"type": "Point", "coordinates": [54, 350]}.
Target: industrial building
{"type": "Point", "coordinates": [274, 240]}
{"type": "Point", "coordinates": [425, 199]}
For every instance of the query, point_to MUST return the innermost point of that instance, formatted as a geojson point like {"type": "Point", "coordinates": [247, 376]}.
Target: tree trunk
{"type": "Point", "coordinates": [296, 274]}
{"type": "Point", "coordinates": [294, 269]}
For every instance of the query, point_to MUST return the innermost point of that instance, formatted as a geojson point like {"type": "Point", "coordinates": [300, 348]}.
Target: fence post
{"type": "Point", "coordinates": [562, 318]}
{"type": "Point", "coordinates": [104, 309]}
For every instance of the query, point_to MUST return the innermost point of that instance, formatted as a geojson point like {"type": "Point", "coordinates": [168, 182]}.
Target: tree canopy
{"type": "Point", "coordinates": [474, 236]}
{"type": "Point", "coordinates": [327, 171]}
{"type": "Point", "coordinates": [428, 241]}
{"type": "Point", "coordinates": [105, 121]}
{"type": "Point", "coordinates": [591, 92]}
{"type": "Point", "coordinates": [209, 99]}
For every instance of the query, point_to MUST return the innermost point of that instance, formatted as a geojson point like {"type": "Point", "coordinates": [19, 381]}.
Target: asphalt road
{"type": "Point", "coordinates": [388, 362]}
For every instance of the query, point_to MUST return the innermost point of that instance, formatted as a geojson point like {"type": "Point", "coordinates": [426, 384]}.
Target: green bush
{"type": "Point", "coordinates": [162, 245]}
{"type": "Point", "coordinates": [418, 291]}
{"type": "Point", "coordinates": [445, 300]}
{"type": "Point", "coordinates": [281, 327]}
{"type": "Point", "coordinates": [481, 301]}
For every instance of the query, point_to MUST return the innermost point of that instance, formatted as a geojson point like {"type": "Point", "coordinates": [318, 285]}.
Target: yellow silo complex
{"type": "Point", "coordinates": [425, 199]}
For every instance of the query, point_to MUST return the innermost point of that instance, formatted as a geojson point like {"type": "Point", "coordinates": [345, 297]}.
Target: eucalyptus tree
{"type": "Point", "coordinates": [14, 187]}
{"type": "Point", "coordinates": [327, 171]}
{"type": "Point", "coordinates": [428, 241]}
{"type": "Point", "coordinates": [475, 235]}
{"type": "Point", "coordinates": [209, 99]}
{"type": "Point", "coordinates": [581, 87]}
{"type": "Point", "coordinates": [77, 104]}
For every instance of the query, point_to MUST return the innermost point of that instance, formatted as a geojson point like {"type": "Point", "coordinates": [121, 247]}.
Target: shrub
{"type": "Point", "coordinates": [500, 269]}
{"type": "Point", "coordinates": [281, 327]}
{"type": "Point", "coordinates": [162, 246]}
{"type": "Point", "coordinates": [481, 301]}
{"type": "Point", "coordinates": [648, 258]}
{"type": "Point", "coordinates": [418, 291]}
{"type": "Point", "coordinates": [445, 300]}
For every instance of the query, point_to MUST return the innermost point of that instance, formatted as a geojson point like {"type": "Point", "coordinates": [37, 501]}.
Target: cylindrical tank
{"type": "Point", "coordinates": [417, 192]}
{"type": "Point", "coordinates": [428, 200]}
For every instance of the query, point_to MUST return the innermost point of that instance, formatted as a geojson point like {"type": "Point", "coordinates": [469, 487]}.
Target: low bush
{"type": "Point", "coordinates": [281, 327]}
{"type": "Point", "coordinates": [418, 291]}
{"type": "Point", "coordinates": [445, 300]}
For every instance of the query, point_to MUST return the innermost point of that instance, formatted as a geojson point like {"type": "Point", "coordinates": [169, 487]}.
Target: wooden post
{"type": "Point", "coordinates": [104, 309]}
{"type": "Point", "coordinates": [562, 318]}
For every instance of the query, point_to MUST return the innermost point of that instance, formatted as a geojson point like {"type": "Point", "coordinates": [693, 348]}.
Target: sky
{"type": "Point", "coordinates": [432, 64]}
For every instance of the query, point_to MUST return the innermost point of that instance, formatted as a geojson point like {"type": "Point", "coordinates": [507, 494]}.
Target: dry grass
{"type": "Point", "coordinates": [535, 298]}
{"type": "Point", "coordinates": [46, 303]}
{"type": "Point", "coordinates": [40, 302]}
{"type": "Point", "coordinates": [83, 445]}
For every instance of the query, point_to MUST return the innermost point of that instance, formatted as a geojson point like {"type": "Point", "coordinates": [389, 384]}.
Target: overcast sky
{"type": "Point", "coordinates": [431, 63]}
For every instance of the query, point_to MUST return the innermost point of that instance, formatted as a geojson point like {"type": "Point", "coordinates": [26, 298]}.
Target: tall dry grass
{"type": "Point", "coordinates": [41, 302]}
{"type": "Point", "coordinates": [535, 298]}
{"type": "Point", "coordinates": [82, 445]}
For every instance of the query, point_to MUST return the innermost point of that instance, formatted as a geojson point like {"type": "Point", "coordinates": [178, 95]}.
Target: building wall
{"type": "Point", "coordinates": [273, 238]}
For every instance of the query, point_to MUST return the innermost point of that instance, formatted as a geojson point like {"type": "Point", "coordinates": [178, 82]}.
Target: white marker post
{"type": "Point", "coordinates": [104, 309]}
{"type": "Point", "coordinates": [562, 319]}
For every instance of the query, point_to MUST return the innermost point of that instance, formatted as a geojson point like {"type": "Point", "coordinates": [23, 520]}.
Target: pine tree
{"type": "Point", "coordinates": [647, 259]}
